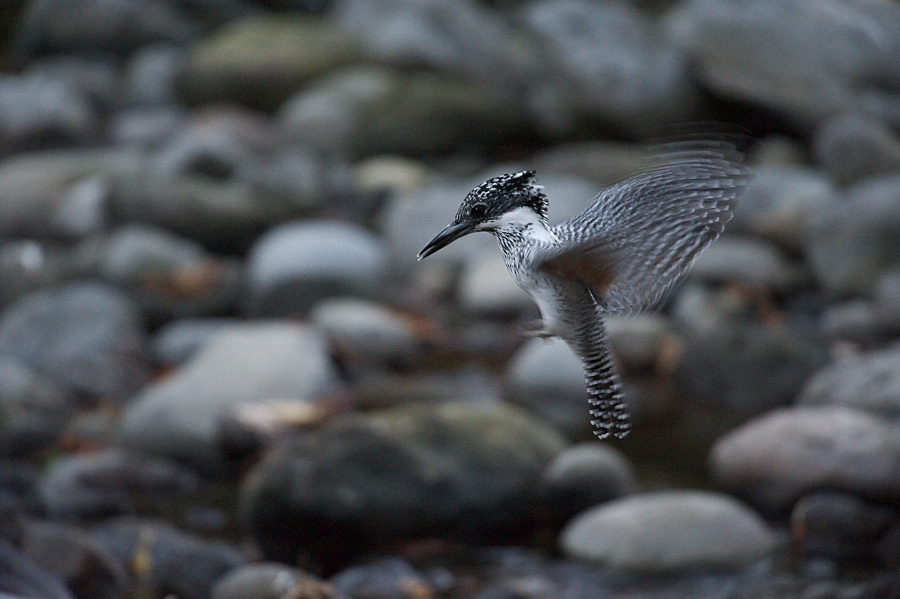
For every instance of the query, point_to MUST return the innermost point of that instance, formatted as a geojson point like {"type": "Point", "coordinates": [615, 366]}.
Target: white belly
{"type": "Point", "coordinates": [532, 232]}
{"type": "Point", "coordinates": [542, 293]}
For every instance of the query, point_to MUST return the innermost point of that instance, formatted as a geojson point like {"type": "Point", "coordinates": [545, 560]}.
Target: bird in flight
{"type": "Point", "coordinates": [622, 255]}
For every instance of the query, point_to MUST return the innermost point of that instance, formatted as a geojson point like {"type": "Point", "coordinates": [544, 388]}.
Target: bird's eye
{"type": "Point", "coordinates": [477, 211]}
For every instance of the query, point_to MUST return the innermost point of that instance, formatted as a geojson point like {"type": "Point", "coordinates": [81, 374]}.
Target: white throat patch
{"type": "Point", "coordinates": [524, 220]}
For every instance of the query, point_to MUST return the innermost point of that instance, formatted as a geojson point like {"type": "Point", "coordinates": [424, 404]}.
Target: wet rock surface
{"type": "Point", "coordinates": [217, 347]}
{"type": "Point", "coordinates": [260, 61]}
{"type": "Point", "coordinates": [86, 487]}
{"type": "Point", "coordinates": [851, 244]}
{"type": "Point", "coordinates": [745, 369]}
{"type": "Point", "coordinates": [179, 417]}
{"type": "Point", "coordinates": [843, 526]}
{"type": "Point", "coordinates": [672, 530]}
{"type": "Point", "coordinates": [852, 148]}
{"type": "Point", "coordinates": [364, 331]}
{"type": "Point", "coordinates": [86, 338]}
{"type": "Point", "coordinates": [614, 63]}
{"type": "Point", "coordinates": [737, 46]}
{"type": "Point", "coordinates": [295, 265]}
{"type": "Point", "coordinates": [547, 377]}
{"type": "Point", "coordinates": [777, 457]}
{"type": "Point", "coordinates": [364, 111]}
{"type": "Point", "coordinates": [171, 561]}
{"type": "Point", "coordinates": [582, 476]}
{"type": "Point", "coordinates": [870, 382]}
{"type": "Point", "coordinates": [22, 577]}
{"type": "Point", "coordinates": [269, 580]}
{"type": "Point", "coordinates": [76, 558]}
{"type": "Point", "coordinates": [462, 470]}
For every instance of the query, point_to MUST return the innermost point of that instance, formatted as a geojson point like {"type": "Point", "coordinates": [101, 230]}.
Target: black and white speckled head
{"type": "Point", "coordinates": [499, 195]}
{"type": "Point", "coordinates": [485, 207]}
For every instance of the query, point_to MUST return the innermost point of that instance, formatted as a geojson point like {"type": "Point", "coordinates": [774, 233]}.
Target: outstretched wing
{"type": "Point", "coordinates": [639, 236]}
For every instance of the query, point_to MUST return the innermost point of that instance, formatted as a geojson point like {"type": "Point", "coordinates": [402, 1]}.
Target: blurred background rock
{"type": "Point", "coordinates": [217, 351]}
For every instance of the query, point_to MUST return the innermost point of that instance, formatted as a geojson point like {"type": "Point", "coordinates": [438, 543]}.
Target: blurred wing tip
{"type": "Point", "coordinates": [703, 141]}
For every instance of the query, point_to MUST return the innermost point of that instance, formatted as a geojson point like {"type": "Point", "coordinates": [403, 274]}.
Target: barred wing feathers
{"type": "Point", "coordinates": [638, 237]}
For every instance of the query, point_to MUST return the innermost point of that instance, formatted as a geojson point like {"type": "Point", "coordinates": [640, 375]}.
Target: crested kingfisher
{"type": "Point", "coordinates": [623, 254]}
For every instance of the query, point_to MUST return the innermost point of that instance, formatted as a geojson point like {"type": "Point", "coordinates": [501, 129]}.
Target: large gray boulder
{"type": "Point", "coordinates": [179, 417]}
{"type": "Point", "coordinates": [773, 460]}
{"type": "Point", "coordinates": [668, 531]}
{"type": "Point", "coordinates": [86, 338]}
{"type": "Point", "coordinates": [610, 63]}
{"type": "Point", "coordinates": [368, 110]}
{"type": "Point", "coordinates": [452, 469]}
{"type": "Point", "coordinates": [806, 61]}
{"type": "Point", "coordinates": [851, 243]}
{"type": "Point", "coordinates": [295, 265]}
{"type": "Point", "coordinates": [260, 62]}
{"type": "Point", "coordinates": [869, 382]}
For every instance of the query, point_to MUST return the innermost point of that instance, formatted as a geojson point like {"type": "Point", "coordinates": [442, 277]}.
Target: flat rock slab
{"type": "Point", "coordinates": [773, 460]}
{"type": "Point", "coordinates": [870, 382]}
{"type": "Point", "coordinates": [456, 469]}
{"type": "Point", "coordinates": [86, 338]}
{"type": "Point", "coordinates": [179, 417]}
{"type": "Point", "coordinates": [667, 531]}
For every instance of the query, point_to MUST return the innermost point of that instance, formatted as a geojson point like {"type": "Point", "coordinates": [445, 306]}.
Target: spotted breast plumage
{"type": "Point", "coordinates": [622, 254]}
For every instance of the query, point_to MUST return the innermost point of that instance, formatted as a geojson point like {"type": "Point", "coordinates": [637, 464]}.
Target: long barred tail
{"type": "Point", "coordinates": [610, 414]}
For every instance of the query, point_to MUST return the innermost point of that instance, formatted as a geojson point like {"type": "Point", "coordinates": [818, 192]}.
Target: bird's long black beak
{"type": "Point", "coordinates": [451, 233]}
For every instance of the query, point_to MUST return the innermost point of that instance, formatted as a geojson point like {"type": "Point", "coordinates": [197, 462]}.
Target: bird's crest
{"type": "Point", "coordinates": [506, 192]}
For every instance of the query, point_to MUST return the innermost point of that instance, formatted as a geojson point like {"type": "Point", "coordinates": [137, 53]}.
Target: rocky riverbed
{"type": "Point", "coordinates": [223, 374]}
